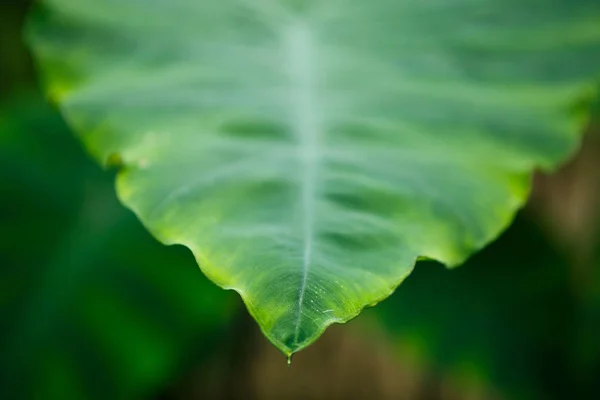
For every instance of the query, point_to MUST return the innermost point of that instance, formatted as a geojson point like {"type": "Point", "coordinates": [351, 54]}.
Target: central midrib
{"type": "Point", "coordinates": [306, 125]}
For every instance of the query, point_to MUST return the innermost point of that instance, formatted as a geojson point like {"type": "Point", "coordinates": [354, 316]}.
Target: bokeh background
{"type": "Point", "coordinates": [92, 307]}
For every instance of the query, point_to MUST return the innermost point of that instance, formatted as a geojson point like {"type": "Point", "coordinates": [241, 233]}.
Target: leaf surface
{"type": "Point", "coordinates": [308, 152]}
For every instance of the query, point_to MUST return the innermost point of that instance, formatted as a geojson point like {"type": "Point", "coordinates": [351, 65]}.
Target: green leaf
{"type": "Point", "coordinates": [92, 307]}
{"type": "Point", "coordinates": [308, 152]}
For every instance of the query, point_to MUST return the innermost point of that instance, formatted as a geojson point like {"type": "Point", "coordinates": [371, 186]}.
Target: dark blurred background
{"type": "Point", "coordinates": [92, 307]}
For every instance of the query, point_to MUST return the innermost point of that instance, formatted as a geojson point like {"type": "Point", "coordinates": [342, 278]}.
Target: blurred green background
{"type": "Point", "coordinates": [92, 307]}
